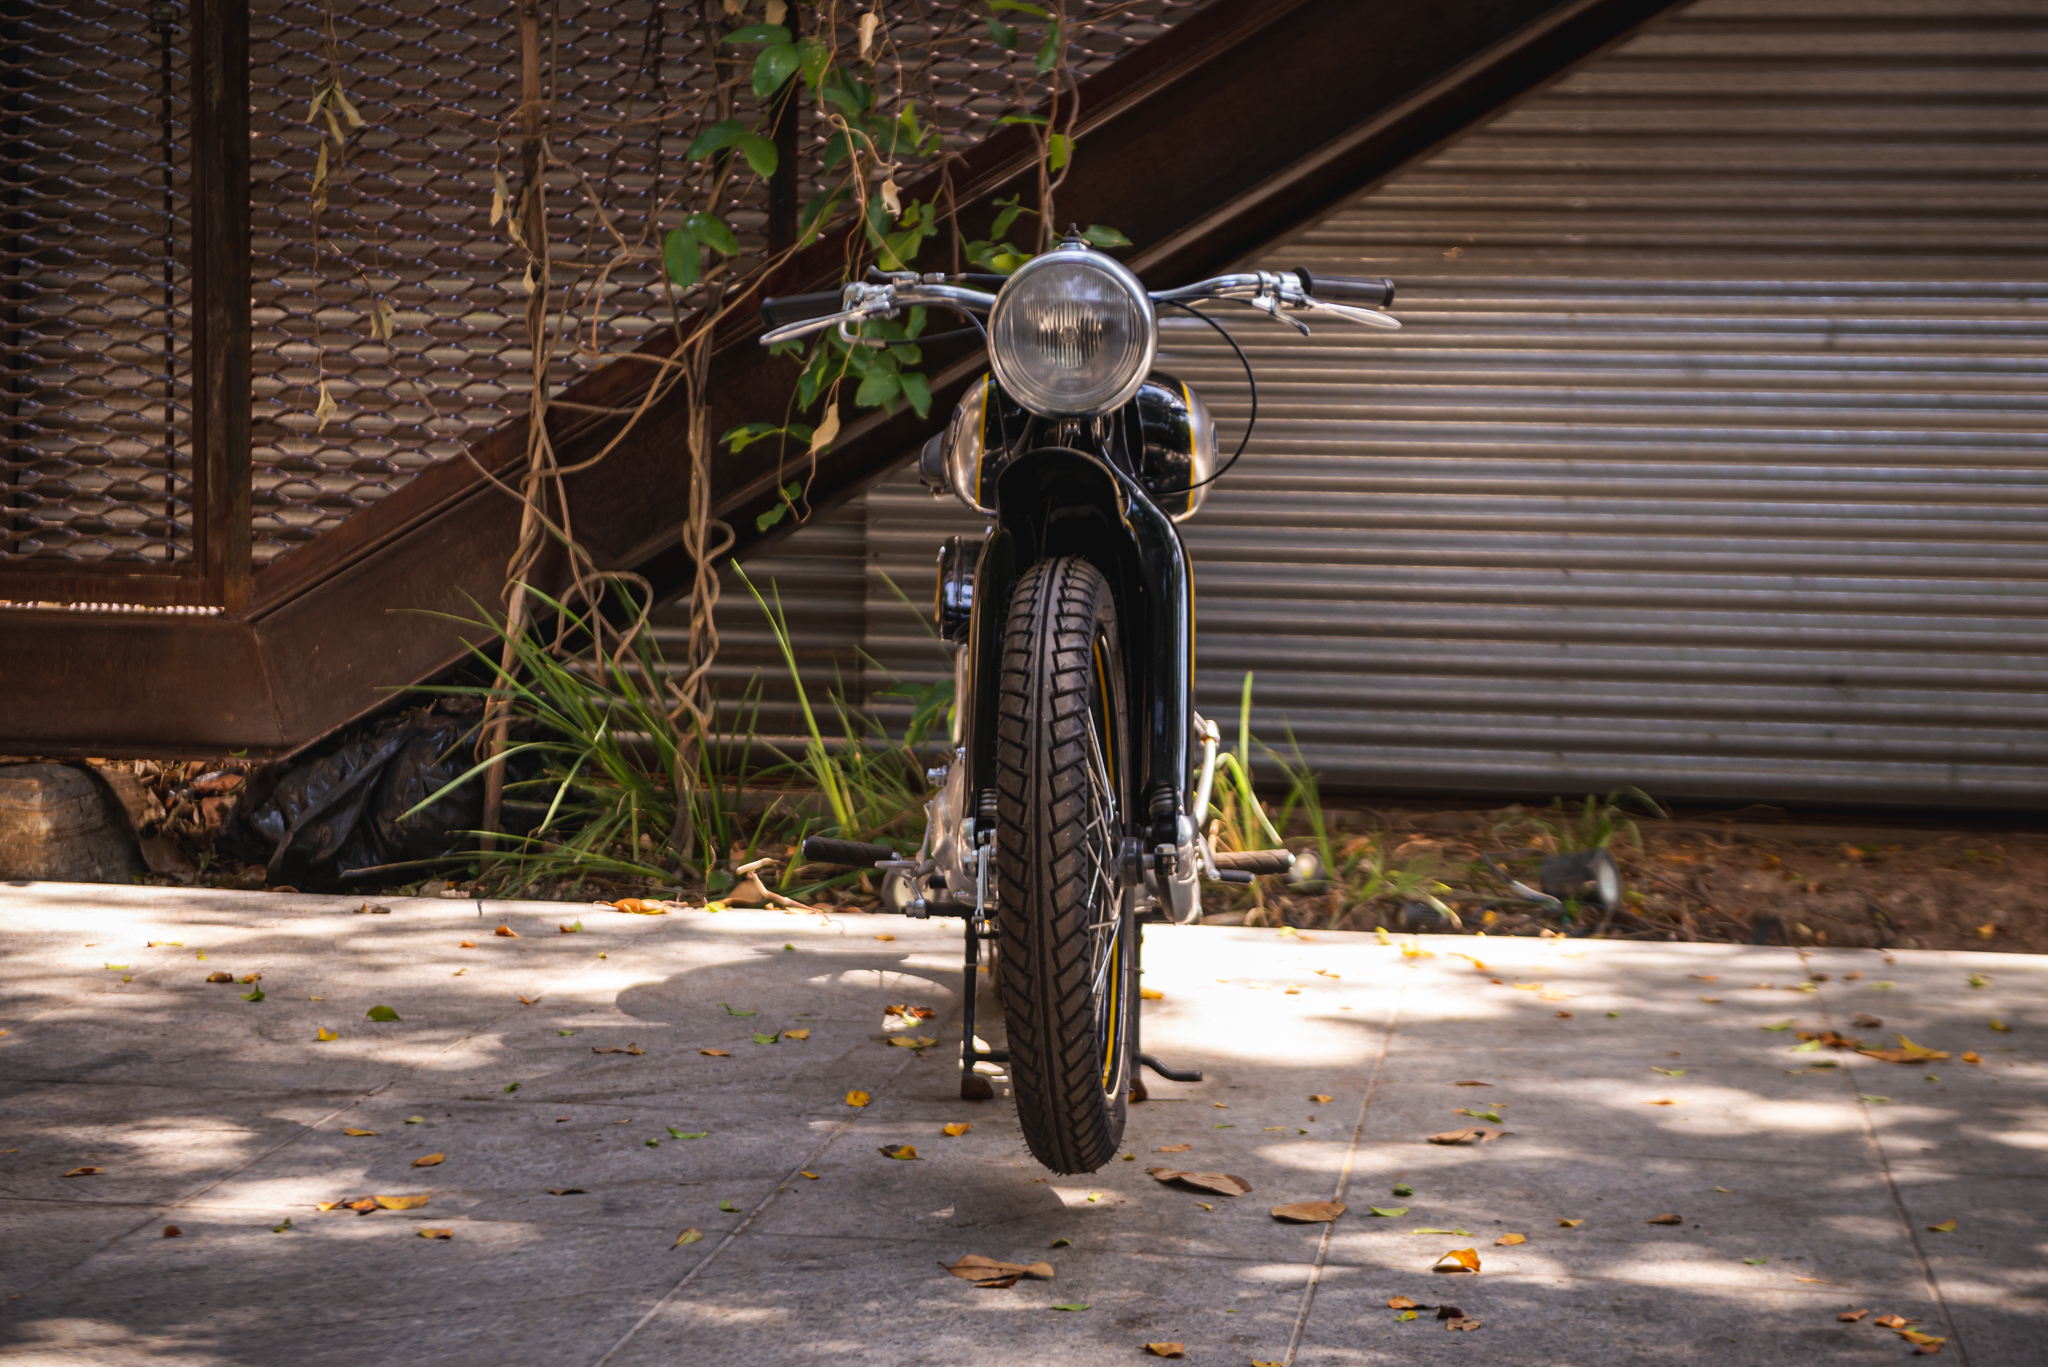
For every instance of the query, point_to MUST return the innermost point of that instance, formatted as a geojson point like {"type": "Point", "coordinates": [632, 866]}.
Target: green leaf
{"type": "Point", "coordinates": [1058, 149]}
{"type": "Point", "coordinates": [1809, 1047]}
{"type": "Point", "coordinates": [1874, 1100]}
{"type": "Point", "coordinates": [683, 257]}
{"type": "Point", "coordinates": [731, 1012]}
{"type": "Point", "coordinates": [381, 1013]}
{"type": "Point", "coordinates": [740, 438]}
{"type": "Point", "coordinates": [415, 1120]}
{"type": "Point", "coordinates": [1049, 52]}
{"type": "Point", "coordinates": [1403, 1189]}
{"type": "Point", "coordinates": [1461, 1233]}
{"type": "Point", "coordinates": [1781, 1026]}
{"type": "Point", "coordinates": [1004, 35]}
{"type": "Point", "coordinates": [718, 135]}
{"type": "Point", "coordinates": [511, 1087]}
{"type": "Point", "coordinates": [1392, 1212]}
{"type": "Point", "coordinates": [774, 67]}
{"type": "Point", "coordinates": [1104, 236]}
{"type": "Point", "coordinates": [1493, 1116]}
{"type": "Point", "coordinates": [760, 1038]}
{"type": "Point", "coordinates": [279, 1229]}
{"type": "Point", "coordinates": [1071, 1305]}
{"type": "Point", "coordinates": [1020, 118]}
{"type": "Point", "coordinates": [652, 1143]}
{"type": "Point", "coordinates": [254, 994]}
{"type": "Point", "coordinates": [918, 391]}
{"type": "Point", "coordinates": [727, 1207]}
{"type": "Point", "coordinates": [565, 1032]}
{"type": "Point", "coordinates": [681, 1134]}
{"type": "Point", "coordinates": [760, 154]}
{"type": "Point", "coordinates": [1668, 1072]}
{"type": "Point", "coordinates": [758, 33]}
{"type": "Point", "coordinates": [712, 232]}
{"type": "Point", "coordinates": [1020, 6]}
{"type": "Point", "coordinates": [877, 389]}
{"type": "Point", "coordinates": [812, 56]}
{"type": "Point", "coordinates": [1756, 1262]}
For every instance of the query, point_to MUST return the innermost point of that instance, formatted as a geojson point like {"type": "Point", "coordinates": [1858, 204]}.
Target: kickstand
{"type": "Point", "coordinates": [973, 1086]}
{"type": "Point", "coordinates": [1144, 1060]}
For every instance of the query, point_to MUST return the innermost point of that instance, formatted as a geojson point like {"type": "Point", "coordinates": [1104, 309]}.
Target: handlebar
{"type": "Point", "coordinates": [1345, 289]}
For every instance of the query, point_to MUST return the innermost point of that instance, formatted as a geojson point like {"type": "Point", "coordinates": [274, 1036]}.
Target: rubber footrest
{"type": "Point", "coordinates": [853, 853]}
{"type": "Point", "coordinates": [1256, 861]}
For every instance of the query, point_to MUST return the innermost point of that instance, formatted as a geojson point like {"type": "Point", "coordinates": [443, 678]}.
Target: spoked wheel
{"type": "Point", "coordinates": [1067, 972]}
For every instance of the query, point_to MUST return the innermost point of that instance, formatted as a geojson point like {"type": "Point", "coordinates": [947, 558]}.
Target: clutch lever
{"type": "Point", "coordinates": [1352, 313]}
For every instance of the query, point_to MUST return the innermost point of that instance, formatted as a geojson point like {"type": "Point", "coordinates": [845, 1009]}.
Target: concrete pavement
{"type": "Point", "coordinates": [1805, 1190]}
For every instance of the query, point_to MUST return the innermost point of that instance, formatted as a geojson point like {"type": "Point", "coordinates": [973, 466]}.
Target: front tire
{"type": "Point", "coordinates": [1068, 967]}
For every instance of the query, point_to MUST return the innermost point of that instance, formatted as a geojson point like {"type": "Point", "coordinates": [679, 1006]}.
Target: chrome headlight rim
{"type": "Point", "coordinates": [1019, 387]}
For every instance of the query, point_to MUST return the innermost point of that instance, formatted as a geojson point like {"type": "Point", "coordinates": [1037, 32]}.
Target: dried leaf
{"type": "Point", "coordinates": [1174, 1148]}
{"type": "Point", "coordinates": [567, 1191]}
{"type": "Point", "coordinates": [638, 906]}
{"type": "Point", "coordinates": [956, 1129]}
{"type": "Point", "coordinates": [467, 944]}
{"type": "Point", "coordinates": [1665, 1220]}
{"type": "Point", "coordinates": [716, 1053]}
{"type": "Point", "coordinates": [401, 1202]}
{"type": "Point", "coordinates": [1512, 1239]}
{"type": "Point", "coordinates": [220, 977]}
{"type": "Point", "coordinates": [437, 1233]}
{"type": "Point", "coordinates": [1153, 994]}
{"type": "Point", "coordinates": [1309, 1212]}
{"type": "Point", "coordinates": [358, 1134]}
{"type": "Point", "coordinates": [1851, 1316]}
{"type": "Point", "coordinates": [323, 1035]}
{"type": "Point", "coordinates": [905, 1152]}
{"type": "Point", "coordinates": [921, 1041]}
{"type": "Point", "coordinates": [805, 1033]}
{"type": "Point", "coordinates": [1945, 1227]}
{"type": "Point", "coordinates": [1461, 1260]}
{"type": "Point", "coordinates": [1320, 1098]}
{"type": "Point", "coordinates": [1972, 1057]}
{"type": "Point", "coordinates": [1664, 1101]}
{"type": "Point", "coordinates": [857, 1098]}
{"type": "Point", "coordinates": [84, 1172]}
{"type": "Point", "coordinates": [1478, 1133]}
{"type": "Point", "coordinates": [2000, 1026]}
{"type": "Point", "coordinates": [1400, 1303]}
{"type": "Point", "coordinates": [1465, 1323]}
{"type": "Point", "coordinates": [326, 408]}
{"type": "Point", "coordinates": [1893, 1321]}
{"type": "Point", "coordinates": [506, 933]}
{"type": "Point", "coordinates": [688, 1236]}
{"type": "Point", "coordinates": [1167, 1350]}
{"type": "Point", "coordinates": [910, 1014]}
{"type": "Point", "coordinates": [1570, 1224]}
{"type": "Point", "coordinates": [1222, 1183]}
{"type": "Point", "coordinates": [868, 24]}
{"type": "Point", "coordinates": [432, 1160]}
{"type": "Point", "coordinates": [985, 1272]}
{"type": "Point", "coordinates": [1471, 1083]}
{"type": "Point", "coordinates": [885, 937]}
{"type": "Point", "coordinates": [1927, 1343]}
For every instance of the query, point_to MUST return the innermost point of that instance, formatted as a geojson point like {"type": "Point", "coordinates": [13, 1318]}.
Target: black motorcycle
{"type": "Point", "coordinates": [1071, 810]}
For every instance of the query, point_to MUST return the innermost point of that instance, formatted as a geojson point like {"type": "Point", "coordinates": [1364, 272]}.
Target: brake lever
{"type": "Point", "coordinates": [1354, 313]}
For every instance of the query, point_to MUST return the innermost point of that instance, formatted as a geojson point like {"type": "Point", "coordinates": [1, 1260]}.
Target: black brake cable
{"type": "Point", "coordinates": [1250, 422]}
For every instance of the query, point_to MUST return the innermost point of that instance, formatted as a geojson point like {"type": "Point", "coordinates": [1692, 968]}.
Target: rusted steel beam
{"type": "Point", "coordinates": [1201, 146]}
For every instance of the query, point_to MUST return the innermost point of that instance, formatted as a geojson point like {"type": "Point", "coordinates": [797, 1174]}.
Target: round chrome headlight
{"type": "Point", "coordinates": [1071, 334]}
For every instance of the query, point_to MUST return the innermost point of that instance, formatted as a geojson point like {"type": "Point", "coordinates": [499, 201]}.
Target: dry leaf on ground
{"type": "Point", "coordinates": [914, 1041]}
{"type": "Point", "coordinates": [857, 1098]}
{"type": "Point", "coordinates": [1945, 1227]}
{"type": "Point", "coordinates": [324, 1035]}
{"type": "Point", "coordinates": [1851, 1316]}
{"type": "Point", "coordinates": [1222, 1183]}
{"type": "Point", "coordinates": [85, 1172]}
{"type": "Point", "coordinates": [432, 1160]}
{"type": "Point", "coordinates": [400, 1202]}
{"type": "Point", "coordinates": [506, 932]}
{"type": "Point", "coordinates": [716, 1053]}
{"type": "Point", "coordinates": [220, 977]}
{"type": "Point", "coordinates": [804, 1033]}
{"type": "Point", "coordinates": [885, 937]}
{"type": "Point", "coordinates": [688, 1236]}
{"type": "Point", "coordinates": [615, 1049]}
{"type": "Point", "coordinates": [905, 1152]}
{"type": "Point", "coordinates": [1309, 1212]}
{"type": "Point", "coordinates": [1400, 1303]}
{"type": "Point", "coordinates": [1466, 1136]}
{"type": "Point", "coordinates": [1665, 1220]}
{"type": "Point", "coordinates": [1471, 1082]}
{"type": "Point", "coordinates": [1167, 1350]}
{"type": "Point", "coordinates": [1926, 1343]}
{"type": "Point", "coordinates": [1664, 1101]}
{"type": "Point", "coordinates": [1153, 994]}
{"type": "Point", "coordinates": [1460, 1260]}
{"type": "Point", "coordinates": [1320, 1098]}
{"type": "Point", "coordinates": [358, 1134]}
{"type": "Point", "coordinates": [1512, 1239]}
{"type": "Point", "coordinates": [1973, 1057]}
{"type": "Point", "coordinates": [1174, 1148]}
{"type": "Point", "coordinates": [636, 906]}
{"type": "Point", "coordinates": [437, 1233]}
{"type": "Point", "coordinates": [1462, 1322]}
{"type": "Point", "coordinates": [1893, 1321]}
{"type": "Point", "coordinates": [1570, 1224]}
{"type": "Point", "coordinates": [912, 1013]}
{"type": "Point", "coordinates": [1907, 1052]}
{"type": "Point", "coordinates": [956, 1129]}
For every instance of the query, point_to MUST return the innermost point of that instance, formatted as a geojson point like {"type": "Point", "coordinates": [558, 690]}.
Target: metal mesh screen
{"type": "Point", "coordinates": [407, 219]}
{"type": "Point", "coordinates": [95, 454]}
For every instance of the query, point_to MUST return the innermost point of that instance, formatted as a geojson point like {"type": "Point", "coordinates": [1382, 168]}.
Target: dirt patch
{"type": "Point", "coordinates": [1755, 876]}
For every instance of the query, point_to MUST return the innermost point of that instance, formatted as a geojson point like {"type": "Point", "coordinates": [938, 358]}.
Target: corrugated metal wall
{"type": "Point", "coordinates": [1713, 456]}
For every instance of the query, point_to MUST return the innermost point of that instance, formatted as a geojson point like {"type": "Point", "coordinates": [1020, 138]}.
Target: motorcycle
{"type": "Point", "coordinates": [1071, 810]}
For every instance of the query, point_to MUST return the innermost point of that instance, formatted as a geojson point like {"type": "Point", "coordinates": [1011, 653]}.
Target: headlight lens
{"type": "Point", "coordinates": [1072, 334]}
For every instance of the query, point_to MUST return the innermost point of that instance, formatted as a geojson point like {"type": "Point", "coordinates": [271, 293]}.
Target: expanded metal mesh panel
{"type": "Point", "coordinates": [406, 222]}
{"type": "Point", "coordinates": [95, 232]}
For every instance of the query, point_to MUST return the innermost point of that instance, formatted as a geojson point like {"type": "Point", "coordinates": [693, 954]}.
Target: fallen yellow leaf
{"type": "Point", "coordinates": [84, 1172]}
{"type": "Point", "coordinates": [1665, 1101]}
{"type": "Point", "coordinates": [1973, 1057]}
{"type": "Point", "coordinates": [1167, 1350]}
{"type": "Point", "coordinates": [359, 1134]}
{"type": "Point", "coordinates": [1400, 1303]}
{"type": "Point", "coordinates": [467, 944]}
{"type": "Point", "coordinates": [885, 937]}
{"type": "Point", "coordinates": [918, 1041]}
{"type": "Point", "coordinates": [688, 1236]}
{"type": "Point", "coordinates": [1926, 1342]}
{"type": "Point", "coordinates": [956, 1129]}
{"type": "Point", "coordinates": [506, 932]}
{"type": "Point", "coordinates": [637, 906]}
{"type": "Point", "coordinates": [905, 1152]}
{"type": "Point", "coordinates": [857, 1098]}
{"type": "Point", "coordinates": [437, 1234]}
{"type": "Point", "coordinates": [805, 1033]}
{"type": "Point", "coordinates": [1665, 1220]}
{"type": "Point", "coordinates": [400, 1202]}
{"type": "Point", "coordinates": [1987, 930]}
{"type": "Point", "coordinates": [1174, 1148]}
{"type": "Point", "coordinates": [1945, 1227]}
{"type": "Point", "coordinates": [1153, 994]}
{"type": "Point", "coordinates": [716, 1053]}
{"type": "Point", "coordinates": [1999, 1025]}
{"type": "Point", "coordinates": [1570, 1224]}
{"type": "Point", "coordinates": [1512, 1239]}
{"type": "Point", "coordinates": [1319, 1097]}
{"type": "Point", "coordinates": [323, 1035]}
{"type": "Point", "coordinates": [1461, 1259]}
{"type": "Point", "coordinates": [431, 1160]}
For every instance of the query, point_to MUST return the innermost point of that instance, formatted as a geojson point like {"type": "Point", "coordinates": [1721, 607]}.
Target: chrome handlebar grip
{"type": "Point", "coordinates": [864, 301]}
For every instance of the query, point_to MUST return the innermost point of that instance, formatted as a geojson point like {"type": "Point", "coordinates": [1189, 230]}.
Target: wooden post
{"type": "Point", "coordinates": [220, 293]}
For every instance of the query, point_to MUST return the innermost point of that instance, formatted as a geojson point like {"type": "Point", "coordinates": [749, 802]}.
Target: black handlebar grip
{"type": "Point", "coordinates": [797, 308]}
{"type": "Point", "coordinates": [1344, 289]}
{"type": "Point", "coordinates": [852, 853]}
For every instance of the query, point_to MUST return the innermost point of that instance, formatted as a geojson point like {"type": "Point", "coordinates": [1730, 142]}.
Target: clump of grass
{"type": "Point", "coordinates": [1595, 824]}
